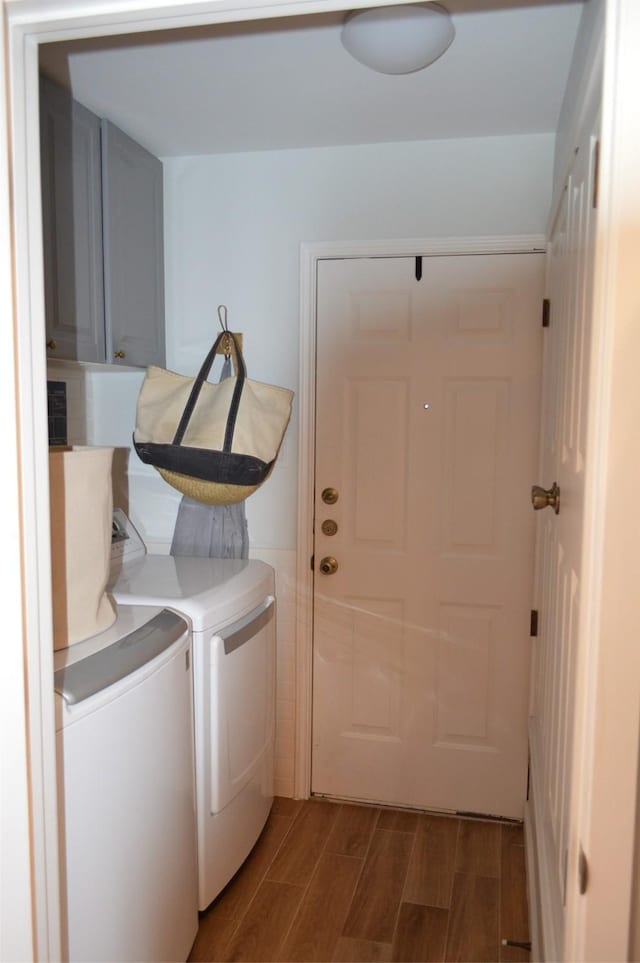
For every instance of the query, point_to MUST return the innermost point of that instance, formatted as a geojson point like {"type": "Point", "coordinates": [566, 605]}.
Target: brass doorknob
{"type": "Point", "coordinates": [546, 497]}
{"type": "Point", "coordinates": [329, 565]}
{"type": "Point", "coordinates": [52, 343]}
{"type": "Point", "coordinates": [119, 354]}
{"type": "Point", "coordinates": [330, 496]}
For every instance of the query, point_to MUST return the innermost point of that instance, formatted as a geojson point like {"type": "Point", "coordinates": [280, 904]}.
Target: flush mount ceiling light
{"type": "Point", "coordinates": [398, 40]}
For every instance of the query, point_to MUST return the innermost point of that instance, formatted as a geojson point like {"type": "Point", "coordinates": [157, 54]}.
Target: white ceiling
{"type": "Point", "coordinates": [289, 83]}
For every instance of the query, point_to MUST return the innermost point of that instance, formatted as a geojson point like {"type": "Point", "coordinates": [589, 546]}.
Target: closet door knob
{"type": "Point", "coordinates": [119, 354]}
{"type": "Point", "coordinates": [52, 343]}
{"type": "Point", "coordinates": [546, 498]}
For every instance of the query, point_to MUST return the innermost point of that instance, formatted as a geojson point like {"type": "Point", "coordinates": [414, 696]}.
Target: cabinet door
{"type": "Point", "coordinates": [133, 250]}
{"type": "Point", "coordinates": [72, 226]}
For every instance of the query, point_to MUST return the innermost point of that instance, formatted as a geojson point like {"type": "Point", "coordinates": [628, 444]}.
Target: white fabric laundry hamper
{"type": "Point", "coordinates": [81, 503]}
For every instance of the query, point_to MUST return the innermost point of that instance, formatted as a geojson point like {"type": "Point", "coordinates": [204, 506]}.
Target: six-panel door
{"type": "Point", "coordinates": [428, 426]}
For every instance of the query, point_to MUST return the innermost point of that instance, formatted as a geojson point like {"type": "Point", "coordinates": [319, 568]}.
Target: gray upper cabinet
{"type": "Point", "coordinates": [103, 238]}
{"type": "Point", "coordinates": [133, 250]}
{"type": "Point", "coordinates": [72, 227]}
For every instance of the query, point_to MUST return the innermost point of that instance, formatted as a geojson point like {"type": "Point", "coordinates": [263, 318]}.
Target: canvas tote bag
{"type": "Point", "coordinates": [216, 443]}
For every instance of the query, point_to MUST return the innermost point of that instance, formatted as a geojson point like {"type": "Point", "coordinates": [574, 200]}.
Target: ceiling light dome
{"type": "Point", "coordinates": [398, 40]}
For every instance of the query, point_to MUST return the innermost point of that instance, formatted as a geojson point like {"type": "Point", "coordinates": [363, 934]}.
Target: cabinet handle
{"type": "Point", "coordinates": [119, 354]}
{"type": "Point", "coordinates": [51, 343]}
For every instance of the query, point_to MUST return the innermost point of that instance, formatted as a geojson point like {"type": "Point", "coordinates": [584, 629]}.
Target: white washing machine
{"type": "Point", "coordinates": [231, 606]}
{"type": "Point", "coordinates": [124, 724]}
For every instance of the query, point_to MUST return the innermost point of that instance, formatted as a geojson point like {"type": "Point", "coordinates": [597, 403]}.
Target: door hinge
{"type": "Point", "coordinates": [312, 563]}
{"type": "Point", "coordinates": [418, 267]}
{"type": "Point", "coordinates": [533, 624]}
{"type": "Point", "coordinates": [546, 313]}
{"type": "Point", "coordinates": [583, 872]}
{"type": "Point", "coordinates": [596, 172]}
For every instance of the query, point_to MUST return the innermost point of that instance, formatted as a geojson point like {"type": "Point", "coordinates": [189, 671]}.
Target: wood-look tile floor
{"type": "Point", "coordinates": [336, 882]}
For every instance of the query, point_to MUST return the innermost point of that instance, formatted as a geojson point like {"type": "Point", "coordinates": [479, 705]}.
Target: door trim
{"type": "Point", "coordinates": [310, 255]}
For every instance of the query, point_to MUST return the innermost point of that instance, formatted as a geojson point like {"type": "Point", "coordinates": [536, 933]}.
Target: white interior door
{"type": "Point", "coordinates": [559, 545]}
{"type": "Point", "coordinates": [427, 427]}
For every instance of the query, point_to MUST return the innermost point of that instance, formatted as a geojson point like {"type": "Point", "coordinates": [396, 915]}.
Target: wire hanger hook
{"type": "Point", "coordinates": [226, 341]}
{"type": "Point", "coordinates": [222, 317]}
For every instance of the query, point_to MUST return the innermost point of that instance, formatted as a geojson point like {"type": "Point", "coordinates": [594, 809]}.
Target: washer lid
{"type": "Point", "coordinates": [86, 677]}
{"type": "Point", "coordinates": [210, 591]}
{"type": "Point", "coordinates": [128, 619]}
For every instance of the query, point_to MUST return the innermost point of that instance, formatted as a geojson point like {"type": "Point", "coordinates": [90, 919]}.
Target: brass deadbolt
{"type": "Point", "coordinates": [329, 527]}
{"type": "Point", "coordinates": [330, 496]}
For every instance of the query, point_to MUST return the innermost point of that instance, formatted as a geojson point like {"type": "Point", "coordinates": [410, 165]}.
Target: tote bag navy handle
{"type": "Point", "coordinates": [203, 374]}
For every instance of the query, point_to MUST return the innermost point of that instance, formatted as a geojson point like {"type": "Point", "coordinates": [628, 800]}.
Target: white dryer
{"type": "Point", "coordinates": [231, 606]}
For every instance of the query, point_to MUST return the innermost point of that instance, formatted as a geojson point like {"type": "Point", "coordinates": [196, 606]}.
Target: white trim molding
{"type": "Point", "coordinates": [310, 254]}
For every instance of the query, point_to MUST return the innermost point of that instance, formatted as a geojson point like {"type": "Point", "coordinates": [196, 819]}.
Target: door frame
{"type": "Point", "coordinates": [612, 572]}
{"type": "Point", "coordinates": [310, 255]}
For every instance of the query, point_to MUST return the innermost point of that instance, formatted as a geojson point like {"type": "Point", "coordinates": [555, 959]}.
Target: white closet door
{"type": "Point", "coordinates": [559, 549]}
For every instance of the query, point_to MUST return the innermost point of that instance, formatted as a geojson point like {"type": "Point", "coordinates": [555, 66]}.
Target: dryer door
{"type": "Point", "coordinates": [242, 701]}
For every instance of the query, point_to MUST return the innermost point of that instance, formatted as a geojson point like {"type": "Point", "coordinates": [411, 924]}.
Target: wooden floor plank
{"type": "Point", "coordinates": [513, 833]}
{"type": "Point", "coordinates": [283, 806]}
{"type": "Point", "coordinates": [430, 876]}
{"type": "Point", "coordinates": [361, 951]}
{"type": "Point", "coordinates": [472, 934]}
{"type": "Point", "coordinates": [261, 934]}
{"type": "Point", "coordinates": [236, 896]}
{"type": "Point", "coordinates": [296, 862]}
{"type": "Point", "coordinates": [478, 849]}
{"type": "Point", "coordinates": [400, 820]}
{"type": "Point", "coordinates": [420, 935]}
{"type": "Point", "coordinates": [377, 898]}
{"type": "Point", "coordinates": [352, 831]}
{"type": "Point", "coordinates": [514, 916]}
{"type": "Point", "coordinates": [260, 918]}
{"type": "Point", "coordinates": [323, 911]}
{"type": "Point", "coordinates": [212, 940]}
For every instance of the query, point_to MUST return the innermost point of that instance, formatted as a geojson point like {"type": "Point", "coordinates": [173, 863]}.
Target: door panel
{"type": "Point", "coordinates": [427, 424]}
{"type": "Point", "coordinates": [559, 538]}
{"type": "Point", "coordinates": [368, 404]}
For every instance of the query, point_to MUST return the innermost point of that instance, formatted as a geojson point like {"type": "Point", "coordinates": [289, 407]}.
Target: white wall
{"type": "Point", "coordinates": [234, 224]}
{"type": "Point", "coordinates": [233, 227]}
{"type": "Point", "coordinates": [588, 45]}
